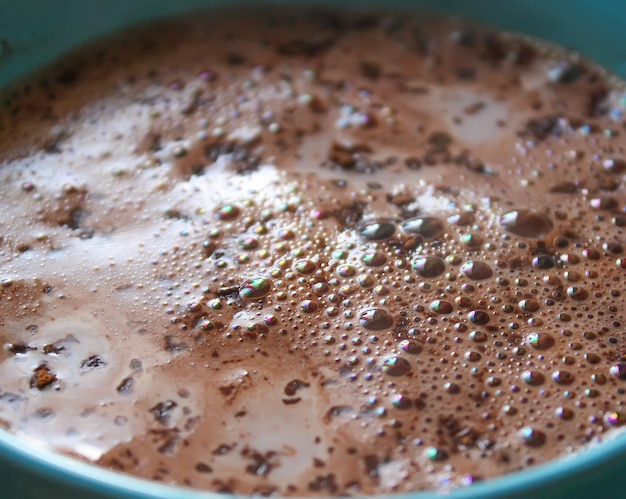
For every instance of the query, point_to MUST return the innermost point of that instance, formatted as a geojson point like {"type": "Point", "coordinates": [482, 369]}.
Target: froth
{"type": "Point", "coordinates": [330, 256]}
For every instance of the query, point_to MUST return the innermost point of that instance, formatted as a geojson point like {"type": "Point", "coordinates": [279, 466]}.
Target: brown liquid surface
{"type": "Point", "coordinates": [314, 257]}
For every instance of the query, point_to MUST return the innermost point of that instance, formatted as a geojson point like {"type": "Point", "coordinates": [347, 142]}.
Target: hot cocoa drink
{"type": "Point", "coordinates": [314, 254]}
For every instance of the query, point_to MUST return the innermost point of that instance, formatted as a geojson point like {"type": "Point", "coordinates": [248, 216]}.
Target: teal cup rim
{"type": "Point", "coordinates": [32, 458]}
{"type": "Point", "coordinates": [546, 480]}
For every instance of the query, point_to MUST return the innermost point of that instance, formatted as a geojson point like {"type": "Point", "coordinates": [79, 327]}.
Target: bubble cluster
{"type": "Point", "coordinates": [290, 256]}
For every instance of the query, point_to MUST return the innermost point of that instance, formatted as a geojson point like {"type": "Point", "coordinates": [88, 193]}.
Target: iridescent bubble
{"type": "Point", "coordinates": [563, 377]}
{"type": "Point", "coordinates": [436, 454]}
{"type": "Point", "coordinates": [346, 271]}
{"type": "Point", "coordinates": [591, 254]}
{"type": "Point", "coordinates": [528, 305]}
{"type": "Point", "coordinates": [270, 320]}
{"type": "Point", "coordinates": [353, 360]}
{"type": "Point", "coordinates": [477, 271]}
{"type": "Point", "coordinates": [347, 290]}
{"type": "Point", "coordinates": [526, 223]}
{"type": "Point", "coordinates": [619, 371]}
{"type": "Point", "coordinates": [206, 325]}
{"type": "Point", "coordinates": [614, 165]}
{"type": "Point", "coordinates": [401, 401]}
{"type": "Point", "coordinates": [365, 280]}
{"type": "Point", "coordinates": [543, 262]}
{"type": "Point", "coordinates": [472, 240]}
{"type": "Point", "coordinates": [319, 214]}
{"type": "Point", "coordinates": [493, 381]}
{"type": "Point", "coordinates": [540, 341]}
{"type": "Point", "coordinates": [255, 288]}
{"type": "Point", "coordinates": [286, 234]}
{"type": "Point", "coordinates": [571, 275]}
{"type": "Point", "coordinates": [564, 413]}
{"type": "Point", "coordinates": [248, 243]}
{"type": "Point", "coordinates": [321, 288]}
{"type": "Point", "coordinates": [380, 412]}
{"type": "Point", "coordinates": [479, 317]}
{"type": "Point", "coordinates": [604, 203]}
{"type": "Point", "coordinates": [462, 219]}
{"type": "Point", "coordinates": [478, 336]}
{"type": "Point", "coordinates": [569, 258]}
{"type": "Point", "coordinates": [509, 410]}
{"type": "Point", "coordinates": [427, 227]}
{"type": "Point", "coordinates": [332, 311]}
{"type": "Point", "coordinates": [241, 259]}
{"type": "Point", "coordinates": [281, 248]}
{"type": "Point", "coordinates": [619, 221]}
{"type": "Point", "coordinates": [374, 259]}
{"type": "Point", "coordinates": [463, 301]}
{"type": "Point", "coordinates": [340, 254]}
{"type": "Point", "coordinates": [376, 319]}
{"type": "Point", "coordinates": [227, 212]}
{"type": "Point", "coordinates": [410, 346]}
{"type": "Point", "coordinates": [441, 307]}
{"type": "Point", "coordinates": [305, 266]}
{"type": "Point", "coordinates": [532, 437]}
{"type": "Point", "coordinates": [577, 293]}
{"type": "Point", "coordinates": [396, 366]}
{"type": "Point", "coordinates": [598, 378]}
{"type": "Point", "coordinates": [454, 260]}
{"type": "Point", "coordinates": [429, 266]}
{"type": "Point", "coordinates": [377, 231]}
{"type": "Point", "coordinates": [615, 418]}
{"type": "Point", "coordinates": [472, 356]}
{"type": "Point", "coordinates": [613, 247]}
{"type": "Point", "coordinates": [533, 378]}
{"type": "Point", "coordinates": [452, 388]}
{"type": "Point", "coordinates": [308, 306]}
{"type": "Point", "coordinates": [194, 307]}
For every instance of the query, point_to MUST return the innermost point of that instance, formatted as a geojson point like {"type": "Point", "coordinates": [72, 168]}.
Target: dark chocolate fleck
{"type": "Point", "coordinates": [42, 377]}
{"type": "Point", "coordinates": [162, 412]}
